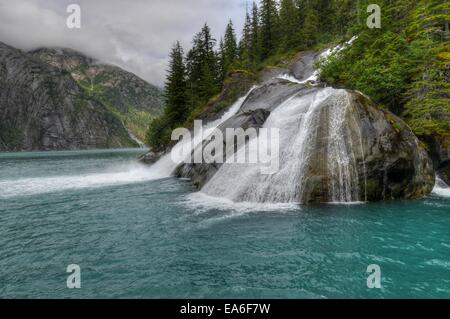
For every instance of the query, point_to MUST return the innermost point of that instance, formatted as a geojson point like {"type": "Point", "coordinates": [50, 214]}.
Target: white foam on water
{"type": "Point", "coordinates": [129, 174]}
{"type": "Point", "coordinates": [202, 202]}
{"type": "Point", "coordinates": [441, 188]}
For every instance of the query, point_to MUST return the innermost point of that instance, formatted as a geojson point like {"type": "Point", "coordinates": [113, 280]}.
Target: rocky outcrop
{"type": "Point", "coordinates": [387, 158]}
{"type": "Point", "coordinates": [335, 146]}
{"type": "Point", "coordinates": [151, 157]}
{"type": "Point", "coordinates": [383, 158]}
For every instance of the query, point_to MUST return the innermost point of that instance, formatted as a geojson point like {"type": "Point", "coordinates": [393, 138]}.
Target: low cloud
{"type": "Point", "coordinates": [135, 35]}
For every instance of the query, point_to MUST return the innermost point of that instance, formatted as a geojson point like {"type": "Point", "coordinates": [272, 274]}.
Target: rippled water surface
{"type": "Point", "coordinates": [135, 235]}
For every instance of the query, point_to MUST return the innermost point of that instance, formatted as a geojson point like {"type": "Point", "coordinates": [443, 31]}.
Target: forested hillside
{"type": "Point", "coordinates": [403, 66]}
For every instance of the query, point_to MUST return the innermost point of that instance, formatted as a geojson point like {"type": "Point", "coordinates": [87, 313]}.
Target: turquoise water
{"type": "Point", "coordinates": [134, 236]}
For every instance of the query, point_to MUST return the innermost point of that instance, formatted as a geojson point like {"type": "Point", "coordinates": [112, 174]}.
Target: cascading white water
{"type": "Point", "coordinates": [165, 166]}
{"type": "Point", "coordinates": [441, 188]}
{"type": "Point", "coordinates": [298, 119]}
{"type": "Point", "coordinates": [342, 167]}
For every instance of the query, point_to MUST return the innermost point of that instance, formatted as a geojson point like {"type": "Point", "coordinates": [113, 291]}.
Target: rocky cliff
{"type": "Point", "coordinates": [45, 105]}
{"type": "Point", "coordinates": [130, 98]}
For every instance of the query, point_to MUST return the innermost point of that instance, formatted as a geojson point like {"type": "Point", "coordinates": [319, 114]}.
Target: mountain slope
{"type": "Point", "coordinates": [130, 98]}
{"type": "Point", "coordinates": [43, 108]}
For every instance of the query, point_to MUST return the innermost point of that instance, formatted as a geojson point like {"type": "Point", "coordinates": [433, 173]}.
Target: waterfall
{"type": "Point", "coordinates": [134, 138]}
{"type": "Point", "coordinates": [299, 119]}
{"type": "Point", "coordinates": [441, 188]}
{"type": "Point", "coordinates": [314, 143]}
{"type": "Point", "coordinates": [342, 166]}
{"type": "Point", "coordinates": [165, 166]}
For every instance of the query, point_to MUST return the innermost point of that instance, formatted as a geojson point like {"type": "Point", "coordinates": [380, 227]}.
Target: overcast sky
{"type": "Point", "coordinates": [133, 34]}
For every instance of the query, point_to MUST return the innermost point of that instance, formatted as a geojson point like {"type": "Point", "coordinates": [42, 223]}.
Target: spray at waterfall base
{"type": "Point", "coordinates": [236, 146]}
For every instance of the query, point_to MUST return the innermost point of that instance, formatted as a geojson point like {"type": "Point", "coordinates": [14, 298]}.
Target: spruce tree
{"type": "Point", "coordinates": [311, 27]}
{"type": "Point", "coordinates": [204, 78]}
{"type": "Point", "coordinates": [175, 86]}
{"type": "Point", "coordinates": [255, 45]}
{"type": "Point", "coordinates": [245, 43]}
{"type": "Point", "coordinates": [176, 110]}
{"type": "Point", "coordinates": [288, 25]}
{"type": "Point", "coordinates": [230, 47]}
{"type": "Point", "coordinates": [269, 28]}
{"type": "Point", "coordinates": [221, 60]}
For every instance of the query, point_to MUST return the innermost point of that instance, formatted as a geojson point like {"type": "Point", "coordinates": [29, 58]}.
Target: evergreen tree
{"type": "Point", "coordinates": [255, 46]}
{"type": "Point", "coordinates": [324, 9]}
{"type": "Point", "coordinates": [345, 15]}
{"type": "Point", "coordinates": [269, 28]}
{"type": "Point", "coordinates": [221, 60]}
{"type": "Point", "coordinates": [245, 43]}
{"type": "Point", "coordinates": [204, 78]}
{"type": "Point", "coordinates": [301, 6]}
{"type": "Point", "coordinates": [288, 25]}
{"type": "Point", "coordinates": [311, 27]}
{"type": "Point", "coordinates": [230, 47]}
{"type": "Point", "coordinates": [428, 108]}
{"type": "Point", "coordinates": [176, 108]}
{"type": "Point", "coordinates": [175, 86]}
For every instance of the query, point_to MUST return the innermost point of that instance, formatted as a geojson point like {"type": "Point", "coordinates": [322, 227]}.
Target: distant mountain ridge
{"type": "Point", "coordinates": [54, 99]}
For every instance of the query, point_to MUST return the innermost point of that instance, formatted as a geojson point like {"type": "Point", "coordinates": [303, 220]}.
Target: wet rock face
{"type": "Point", "coordinates": [371, 155]}
{"type": "Point", "coordinates": [303, 66]}
{"type": "Point", "coordinates": [43, 108]}
{"type": "Point", "coordinates": [439, 149]}
{"type": "Point", "coordinates": [388, 160]}
{"type": "Point", "coordinates": [270, 95]}
{"type": "Point", "coordinates": [201, 173]}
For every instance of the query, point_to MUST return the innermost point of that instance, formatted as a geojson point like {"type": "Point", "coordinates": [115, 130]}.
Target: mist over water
{"type": "Point", "coordinates": [110, 173]}
{"type": "Point", "coordinates": [441, 188]}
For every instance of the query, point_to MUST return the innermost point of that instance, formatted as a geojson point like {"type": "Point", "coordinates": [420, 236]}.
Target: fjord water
{"type": "Point", "coordinates": [135, 235]}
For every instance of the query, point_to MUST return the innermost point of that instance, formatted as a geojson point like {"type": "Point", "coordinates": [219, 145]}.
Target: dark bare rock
{"type": "Point", "coordinates": [439, 149]}
{"type": "Point", "coordinates": [151, 157]}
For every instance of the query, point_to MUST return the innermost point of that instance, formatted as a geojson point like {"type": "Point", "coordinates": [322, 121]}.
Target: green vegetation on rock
{"type": "Point", "coordinates": [132, 100]}
{"type": "Point", "coordinates": [404, 66]}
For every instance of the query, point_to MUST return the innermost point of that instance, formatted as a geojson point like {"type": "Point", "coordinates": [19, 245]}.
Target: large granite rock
{"type": "Point", "coordinates": [387, 158]}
